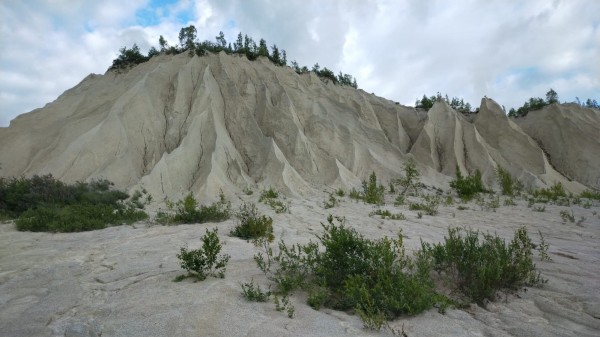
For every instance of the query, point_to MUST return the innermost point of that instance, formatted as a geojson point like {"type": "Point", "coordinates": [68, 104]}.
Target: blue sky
{"type": "Point", "coordinates": [508, 50]}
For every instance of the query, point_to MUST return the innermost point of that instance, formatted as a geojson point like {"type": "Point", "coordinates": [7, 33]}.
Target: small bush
{"type": "Point", "coordinates": [400, 200]}
{"type": "Point", "coordinates": [269, 197]}
{"type": "Point", "coordinates": [373, 193]}
{"type": "Point", "coordinates": [186, 211]}
{"type": "Point", "coordinates": [553, 193]}
{"type": "Point", "coordinates": [268, 194]}
{"type": "Point", "coordinates": [467, 187]}
{"type": "Point", "coordinates": [331, 203]}
{"type": "Point", "coordinates": [340, 193]}
{"type": "Point", "coordinates": [566, 216]}
{"type": "Point", "coordinates": [410, 182]}
{"type": "Point", "coordinates": [590, 194]}
{"type": "Point", "coordinates": [385, 214]}
{"type": "Point", "coordinates": [253, 293]}
{"type": "Point", "coordinates": [539, 208]}
{"type": "Point", "coordinates": [251, 225]}
{"type": "Point", "coordinates": [483, 266]}
{"type": "Point", "coordinates": [508, 185]}
{"type": "Point", "coordinates": [354, 194]}
{"type": "Point", "coordinates": [509, 202]}
{"type": "Point", "coordinates": [430, 206]}
{"type": "Point", "coordinates": [205, 261]}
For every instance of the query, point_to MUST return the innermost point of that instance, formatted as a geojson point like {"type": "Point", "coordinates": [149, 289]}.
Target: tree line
{"type": "Point", "coordinates": [534, 103]}
{"type": "Point", "coordinates": [243, 45]}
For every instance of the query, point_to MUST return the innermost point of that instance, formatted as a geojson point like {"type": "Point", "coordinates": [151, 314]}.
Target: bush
{"type": "Point", "coordinates": [42, 203]}
{"type": "Point", "coordinates": [373, 193]}
{"type": "Point", "coordinates": [430, 206]}
{"type": "Point", "coordinates": [331, 203]}
{"type": "Point", "coordinates": [467, 187]}
{"type": "Point", "coordinates": [590, 194]}
{"type": "Point", "coordinates": [204, 261]}
{"type": "Point", "coordinates": [268, 194]}
{"type": "Point", "coordinates": [480, 268]}
{"type": "Point", "coordinates": [269, 197]}
{"type": "Point", "coordinates": [251, 225]}
{"type": "Point", "coordinates": [253, 293]}
{"type": "Point", "coordinates": [554, 192]}
{"type": "Point", "coordinates": [188, 212]}
{"type": "Point", "coordinates": [410, 181]}
{"type": "Point", "coordinates": [354, 194]}
{"type": "Point", "coordinates": [508, 184]}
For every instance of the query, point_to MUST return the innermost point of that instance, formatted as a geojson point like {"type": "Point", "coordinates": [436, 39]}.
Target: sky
{"type": "Point", "coordinates": [508, 50]}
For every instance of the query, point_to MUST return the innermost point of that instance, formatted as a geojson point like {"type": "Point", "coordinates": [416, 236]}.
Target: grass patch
{"type": "Point", "coordinates": [385, 214]}
{"type": "Point", "coordinates": [188, 211]}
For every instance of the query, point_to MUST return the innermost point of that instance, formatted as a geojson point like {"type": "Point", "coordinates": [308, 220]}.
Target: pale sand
{"type": "Point", "coordinates": [119, 281]}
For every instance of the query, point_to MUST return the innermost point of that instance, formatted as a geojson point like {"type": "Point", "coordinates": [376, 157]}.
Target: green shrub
{"type": "Point", "coordinates": [590, 194]}
{"type": "Point", "coordinates": [269, 197]}
{"type": "Point", "coordinates": [508, 185]}
{"type": "Point", "coordinates": [331, 203]}
{"type": "Point", "coordinates": [373, 193]}
{"type": "Point", "coordinates": [430, 206]}
{"type": "Point", "coordinates": [410, 181]}
{"type": "Point", "coordinates": [480, 267]}
{"type": "Point", "coordinates": [340, 193]}
{"type": "Point", "coordinates": [385, 214]}
{"type": "Point", "coordinates": [253, 293]}
{"type": "Point", "coordinates": [251, 225]}
{"type": "Point", "coordinates": [187, 211]}
{"type": "Point", "coordinates": [354, 194]}
{"type": "Point", "coordinates": [467, 187]}
{"type": "Point", "coordinates": [399, 201]}
{"type": "Point", "coordinates": [204, 261]}
{"type": "Point", "coordinates": [268, 194]}
{"type": "Point", "coordinates": [553, 192]}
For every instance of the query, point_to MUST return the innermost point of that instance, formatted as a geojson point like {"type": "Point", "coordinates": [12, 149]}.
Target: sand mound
{"type": "Point", "coordinates": [177, 124]}
{"type": "Point", "coordinates": [568, 133]}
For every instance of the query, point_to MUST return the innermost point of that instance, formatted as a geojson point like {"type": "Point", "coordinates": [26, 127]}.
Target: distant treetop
{"type": "Point", "coordinates": [243, 45]}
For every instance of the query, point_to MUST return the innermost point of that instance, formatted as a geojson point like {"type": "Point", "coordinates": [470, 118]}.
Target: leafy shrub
{"type": "Point", "coordinates": [399, 201]}
{"type": "Point", "coordinates": [331, 203]}
{"type": "Point", "coordinates": [354, 194]}
{"type": "Point", "coordinates": [467, 187]}
{"type": "Point", "coordinates": [42, 203]}
{"type": "Point", "coordinates": [590, 194]}
{"type": "Point", "coordinates": [508, 184]}
{"type": "Point", "coordinates": [553, 193]}
{"type": "Point", "coordinates": [253, 293]}
{"type": "Point", "coordinates": [385, 214]}
{"type": "Point", "coordinates": [204, 261]}
{"type": "Point", "coordinates": [482, 267]}
{"type": "Point", "coordinates": [269, 197]}
{"type": "Point", "coordinates": [251, 225]}
{"type": "Point", "coordinates": [410, 181]}
{"type": "Point", "coordinates": [430, 206]}
{"type": "Point", "coordinates": [340, 193]}
{"type": "Point", "coordinates": [186, 211]}
{"type": "Point", "coordinates": [373, 193]}
{"type": "Point", "coordinates": [268, 194]}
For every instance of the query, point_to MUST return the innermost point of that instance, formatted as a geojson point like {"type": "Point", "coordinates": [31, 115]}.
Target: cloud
{"type": "Point", "coordinates": [509, 50]}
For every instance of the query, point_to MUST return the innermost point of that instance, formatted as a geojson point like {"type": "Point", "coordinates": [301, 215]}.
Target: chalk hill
{"type": "Point", "coordinates": [178, 123]}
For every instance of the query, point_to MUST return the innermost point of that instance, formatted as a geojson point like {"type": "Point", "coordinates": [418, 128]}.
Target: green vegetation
{"type": "Point", "coordinates": [244, 45]}
{"type": "Point", "coordinates": [253, 293]}
{"type": "Point", "coordinates": [508, 184]}
{"type": "Point", "coordinates": [204, 261]}
{"type": "Point", "coordinates": [331, 202]}
{"type": "Point", "coordinates": [567, 216]}
{"type": "Point", "coordinates": [378, 280]}
{"type": "Point", "coordinates": [481, 265]}
{"type": "Point", "coordinates": [590, 194]}
{"type": "Point", "coordinates": [251, 225]}
{"type": "Point", "coordinates": [467, 187]}
{"type": "Point", "coordinates": [554, 192]}
{"type": "Point", "coordinates": [385, 214]}
{"type": "Point", "coordinates": [457, 104]}
{"type": "Point", "coordinates": [186, 211]}
{"type": "Point", "coordinates": [372, 192]}
{"type": "Point", "coordinates": [44, 204]}
{"type": "Point", "coordinates": [269, 197]}
{"type": "Point", "coordinates": [430, 206]}
{"type": "Point", "coordinates": [410, 182]}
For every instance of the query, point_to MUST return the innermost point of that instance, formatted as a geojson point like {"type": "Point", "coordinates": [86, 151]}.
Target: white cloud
{"type": "Point", "coordinates": [509, 50]}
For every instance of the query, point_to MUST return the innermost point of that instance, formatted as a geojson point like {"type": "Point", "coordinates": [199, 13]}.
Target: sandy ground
{"type": "Point", "coordinates": [119, 281]}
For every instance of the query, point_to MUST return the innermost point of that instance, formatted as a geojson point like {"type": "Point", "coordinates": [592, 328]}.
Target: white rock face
{"type": "Point", "coordinates": [178, 123]}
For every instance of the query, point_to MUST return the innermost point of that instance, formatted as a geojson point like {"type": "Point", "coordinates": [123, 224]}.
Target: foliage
{"type": "Point", "coordinates": [410, 181]}
{"type": "Point", "coordinates": [354, 194]}
{"type": "Point", "coordinates": [467, 187]}
{"type": "Point", "coordinates": [372, 192]}
{"type": "Point", "coordinates": [252, 225]}
{"type": "Point", "coordinates": [340, 193]}
{"type": "Point", "coordinates": [430, 206]}
{"type": "Point", "coordinates": [42, 203]}
{"type": "Point", "coordinates": [385, 214]}
{"type": "Point", "coordinates": [481, 265]}
{"type": "Point", "coordinates": [566, 216]}
{"type": "Point", "coordinates": [128, 58]}
{"type": "Point", "coordinates": [253, 293]}
{"type": "Point", "coordinates": [331, 203]}
{"type": "Point", "coordinates": [269, 197]}
{"type": "Point", "coordinates": [543, 248]}
{"type": "Point", "coordinates": [205, 261]}
{"type": "Point", "coordinates": [590, 194]}
{"type": "Point", "coordinates": [554, 192]}
{"type": "Point", "coordinates": [268, 194]}
{"type": "Point", "coordinates": [457, 104]}
{"type": "Point", "coordinates": [508, 184]}
{"type": "Point", "coordinates": [186, 211]}
{"type": "Point", "coordinates": [534, 104]}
